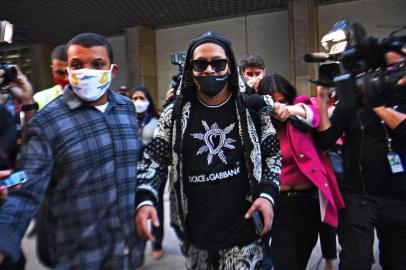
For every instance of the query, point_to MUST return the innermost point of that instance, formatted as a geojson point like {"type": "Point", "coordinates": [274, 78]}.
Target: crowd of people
{"type": "Point", "coordinates": [248, 187]}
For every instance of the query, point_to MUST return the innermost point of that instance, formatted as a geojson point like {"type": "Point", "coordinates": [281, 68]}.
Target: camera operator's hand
{"type": "Point", "coordinates": [372, 97]}
{"type": "Point", "coordinates": [323, 94]}
{"type": "Point", "coordinates": [21, 88]}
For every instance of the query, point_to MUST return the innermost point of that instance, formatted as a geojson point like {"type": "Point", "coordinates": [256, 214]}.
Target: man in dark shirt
{"type": "Point", "coordinates": [225, 162]}
{"type": "Point", "coordinates": [374, 185]}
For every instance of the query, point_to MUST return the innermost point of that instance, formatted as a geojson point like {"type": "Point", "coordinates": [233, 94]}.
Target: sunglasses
{"type": "Point", "coordinates": [200, 65]}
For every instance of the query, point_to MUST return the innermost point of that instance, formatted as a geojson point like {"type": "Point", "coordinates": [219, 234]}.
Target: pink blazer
{"type": "Point", "coordinates": [315, 165]}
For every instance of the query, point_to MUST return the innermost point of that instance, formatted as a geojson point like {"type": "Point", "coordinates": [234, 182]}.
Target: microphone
{"type": "Point", "coordinates": [257, 103]}
{"type": "Point", "coordinates": [317, 57]}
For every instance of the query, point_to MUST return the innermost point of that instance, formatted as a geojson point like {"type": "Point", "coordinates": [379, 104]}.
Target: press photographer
{"type": "Point", "coordinates": [371, 112]}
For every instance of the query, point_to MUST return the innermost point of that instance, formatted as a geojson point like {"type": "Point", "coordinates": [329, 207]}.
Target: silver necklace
{"type": "Point", "coordinates": [214, 106]}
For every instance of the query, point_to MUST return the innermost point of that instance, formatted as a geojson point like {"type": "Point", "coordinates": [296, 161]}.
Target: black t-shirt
{"type": "Point", "coordinates": [216, 178]}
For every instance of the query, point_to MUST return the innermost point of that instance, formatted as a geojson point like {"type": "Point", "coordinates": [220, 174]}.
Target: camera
{"type": "Point", "coordinates": [178, 59]}
{"type": "Point", "coordinates": [363, 69]}
{"type": "Point", "coordinates": [10, 74]}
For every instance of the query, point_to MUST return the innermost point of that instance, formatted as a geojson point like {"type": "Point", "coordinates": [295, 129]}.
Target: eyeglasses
{"type": "Point", "coordinates": [200, 65]}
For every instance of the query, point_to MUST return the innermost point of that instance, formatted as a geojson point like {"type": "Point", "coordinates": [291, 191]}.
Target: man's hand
{"type": "Point", "coordinates": [3, 190]}
{"type": "Point", "coordinates": [145, 213]}
{"type": "Point", "coordinates": [281, 112]}
{"type": "Point", "coordinates": [3, 193]}
{"type": "Point", "coordinates": [265, 207]}
{"type": "Point", "coordinates": [253, 82]}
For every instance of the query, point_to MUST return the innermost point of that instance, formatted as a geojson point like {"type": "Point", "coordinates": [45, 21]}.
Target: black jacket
{"type": "Point", "coordinates": [365, 149]}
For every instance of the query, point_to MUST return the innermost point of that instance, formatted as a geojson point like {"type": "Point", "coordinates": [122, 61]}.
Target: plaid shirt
{"type": "Point", "coordinates": [83, 163]}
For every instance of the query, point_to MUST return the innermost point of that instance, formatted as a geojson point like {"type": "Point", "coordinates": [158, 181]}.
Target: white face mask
{"type": "Point", "coordinates": [251, 80]}
{"type": "Point", "coordinates": [89, 84]}
{"type": "Point", "coordinates": [141, 106]}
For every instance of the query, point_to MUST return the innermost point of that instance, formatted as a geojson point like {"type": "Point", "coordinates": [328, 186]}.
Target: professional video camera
{"type": "Point", "coordinates": [363, 67]}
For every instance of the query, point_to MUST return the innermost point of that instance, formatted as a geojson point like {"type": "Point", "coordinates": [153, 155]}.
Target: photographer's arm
{"type": "Point", "coordinates": [322, 96]}
{"type": "Point", "coordinates": [391, 117]}
{"type": "Point", "coordinates": [21, 89]}
{"type": "Point", "coordinates": [330, 129]}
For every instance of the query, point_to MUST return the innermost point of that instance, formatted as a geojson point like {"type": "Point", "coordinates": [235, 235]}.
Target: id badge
{"type": "Point", "coordinates": [394, 162]}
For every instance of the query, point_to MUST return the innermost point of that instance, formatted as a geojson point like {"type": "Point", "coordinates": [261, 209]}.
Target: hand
{"type": "Point", "coordinates": [281, 112]}
{"type": "Point", "coordinates": [265, 207]}
{"type": "Point", "coordinates": [402, 81]}
{"type": "Point", "coordinates": [323, 94]}
{"type": "Point", "coordinates": [253, 82]}
{"type": "Point", "coordinates": [3, 190]}
{"type": "Point", "coordinates": [1, 257]}
{"type": "Point", "coordinates": [169, 94]}
{"type": "Point", "coordinates": [3, 193]}
{"type": "Point", "coordinates": [145, 213]}
{"type": "Point", "coordinates": [21, 89]}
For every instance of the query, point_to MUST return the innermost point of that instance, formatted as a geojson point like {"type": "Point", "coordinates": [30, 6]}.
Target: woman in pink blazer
{"type": "Point", "coordinates": [309, 191]}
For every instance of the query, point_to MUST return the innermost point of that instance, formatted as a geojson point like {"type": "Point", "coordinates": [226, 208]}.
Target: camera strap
{"type": "Point", "coordinates": [394, 160]}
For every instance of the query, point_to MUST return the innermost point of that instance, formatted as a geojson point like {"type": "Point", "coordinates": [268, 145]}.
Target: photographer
{"type": "Point", "coordinates": [374, 185]}
{"type": "Point", "coordinates": [22, 91]}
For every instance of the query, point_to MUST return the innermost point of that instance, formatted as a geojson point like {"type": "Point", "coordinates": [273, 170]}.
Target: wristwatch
{"type": "Point", "coordinates": [29, 107]}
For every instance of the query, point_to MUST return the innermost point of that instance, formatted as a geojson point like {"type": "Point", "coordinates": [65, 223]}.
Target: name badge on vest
{"type": "Point", "coordinates": [394, 162]}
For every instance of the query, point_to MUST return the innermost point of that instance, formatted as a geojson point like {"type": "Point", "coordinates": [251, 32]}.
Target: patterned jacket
{"type": "Point", "coordinates": [261, 147]}
{"type": "Point", "coordinates": [258, 136]}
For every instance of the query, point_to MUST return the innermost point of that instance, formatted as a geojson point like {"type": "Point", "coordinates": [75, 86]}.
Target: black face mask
{"type": "Point", "coordinates": [211, 85]}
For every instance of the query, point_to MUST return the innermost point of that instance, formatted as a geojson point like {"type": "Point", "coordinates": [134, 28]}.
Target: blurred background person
{"type": "Point", "coordinates": [59, 75]}
{"type": "Point", "coordinates": [147, 116]}
{"type": "Point", "coordinates": [253, 70]}
{"type": "Point", "coordinates": [123, 90]}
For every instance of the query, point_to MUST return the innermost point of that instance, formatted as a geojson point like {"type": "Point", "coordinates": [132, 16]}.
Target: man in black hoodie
{"type": "Point", "coordinates": [225, 161]}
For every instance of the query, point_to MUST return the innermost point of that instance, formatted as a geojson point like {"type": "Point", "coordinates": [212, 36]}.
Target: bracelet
{"type": "Point", "coordinates": [29, 107]}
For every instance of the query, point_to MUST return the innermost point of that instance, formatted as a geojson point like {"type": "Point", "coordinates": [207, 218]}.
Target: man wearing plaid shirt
{"type": "Point", "coordinates": [80, 155]}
